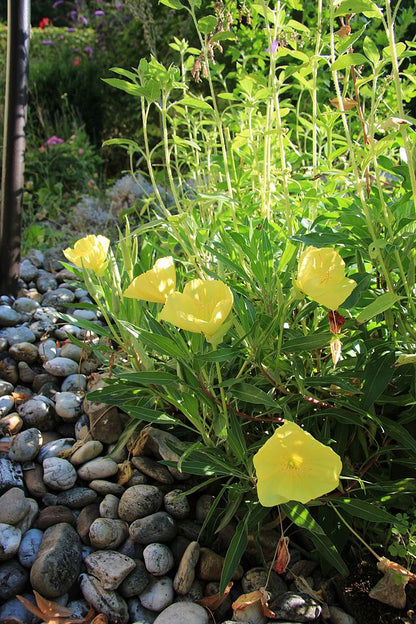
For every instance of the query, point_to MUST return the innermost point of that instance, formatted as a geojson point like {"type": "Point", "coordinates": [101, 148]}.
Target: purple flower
{"type": "Point", "coordinates": [48, 42]}
{"type": "Point", "coordinates": [53, 140]}
{"type": "Point", "coordinates": [57, 3]}
{"type": "Point", "coordinates": [83, 19]}
{"type": "Point", "coordinates": [89, 50]}
{"type": "Point", "coordinates": [98, 13]}
{"type": "Point", "coordinates": [73, 15]}
{"type": "Point", "coordinates": [70, 30]}
{"type": "Point", "coordinates": [275, 45]}
{"type": "Point", "coordinates": [119, 5]}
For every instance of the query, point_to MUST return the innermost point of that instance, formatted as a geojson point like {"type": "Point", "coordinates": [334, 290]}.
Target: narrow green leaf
{"type": "Point", "coordinates": [194, 102]}
{"type": "Point", "coordinates": [164, 345]}
{"type": "Point", "coordinates": [377, 374]}
{"type": "Point", "coordinates": [381, 304]}
{"type": "Point", "coordinates": [145, 378]}
{"type": "Point", "coordinates": [346, 60]}
{"type": "Point", "coordinates": [306, 343]}
{"type": "Point", "coordinates": [396, 431]}
{"type": "Point", "coordinates": [234, 553]}
{"type": "Point", "coordinates": [328, 551]}
{"type": "Point", "coordinates": [299, 514]}
{"type": "Point", "coordinates": [148, 415]}
{"type": "Point", "coordinates": [123, 85]}
{"type": "Point", "coordinates": [251, 394]}
{"type": "Point", "coordinates": [365, 510]}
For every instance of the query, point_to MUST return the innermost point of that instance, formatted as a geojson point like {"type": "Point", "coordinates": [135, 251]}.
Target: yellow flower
{"type": "Point", "coordinates": [89, 252]}
{"type": "Point", "coordinates": [156, 284]}
{"type": "Point", "coordinates": [202, 307]}
{"type": "Point", "coordinates": [293, 465]}
{"type": "Point", "coordinates": [321, 276]}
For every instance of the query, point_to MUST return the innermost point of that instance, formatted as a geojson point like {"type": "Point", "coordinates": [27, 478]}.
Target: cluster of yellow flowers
{"type": "Point", "coordinates": [292, 464]}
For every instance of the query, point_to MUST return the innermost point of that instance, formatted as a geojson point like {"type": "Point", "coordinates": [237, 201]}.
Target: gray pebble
{"type": "Point", "coordinates": [27, 270]}
{"type": "Point", "coordinates": [61, 367]}
{"type": "Point", "coordinates": [54, 448]}
{"type": "Point", "coordinates": [46, 282]}
{"type": "Point", "coordinates": [139, 501]}
{"type": "Point", "coordinates": [47, 350]}
{"type": "Point", "coordinates": [185, 574]}
{"type": "Point", "coordinates": [68, 405]}
{"type": "Point", "coordinates": [77, 497]}
{"type": "Point", "coordinates": [176, 504]}
{"type": "Point", "coordinates": [59, 474]}
{"type": "Point", "coordinates": [109, 506]}
{"type": "Point", "coordinates": [25, 305]}
{"type": "Point", "coordinates": [26, 374]}
{"type": "Point", "coordinates": [158, 594]}
{"type": "Point", "coordinates": [58, 297]}
{"type": "Point", "coordinates": [24, 352]}
{"type": "Point", "coordinates": [58, 563]}
{"type": "Point", "coordinates": [37, 413]}
{"type": "Point", "coordinates": [29, 547]}
{"type": "Point", "coordinates": [106, 487]}
{"type": "Point", "coordinates": [26, 445]}
{"type": "Point", "coordinates": [66, 330]}
{"type": "Point", "coordinates": [184, 612]}
{"type": "Point", "coordinates": [109, 567]}
{"type": "Point", "coordinates": [296, 607]}
{"type": "Point", "coordinates": [20, 334]}
{"type": "Point", "coordinates": [138, 614]}
{"type": "Point", "coordinates": [99, 468]}
{"type": "Point", "coordinates": [158, 559]}
{"type": "Point", "coordinates": [153, 469]}
{"type": "Point", "coordinates": [74, 383]}
{"type": "Point", "coordinates": [11, 474]}
{"type": "Point", "coordinates": [110, 603]}
{"type": "Point", "coordinates": [86, 452]}
{"type": "Point", "coordinates": [13, 579]}
{"type": "Point", "coordinates": [5, 387]}
{"type": "Point", "coordinates": [14, 612]}
{"type": "Point", "coordinates": [135, 582]}
{"type": "Point", "coordinates": [6, 405]}
{"type": "Point", "coordinates": [338, 616]}
{"type": "Point", "coordinates": [108, 533]}
{"type": "Point", "coordinates": [10, 537]}
{"type": "Point", "coordinates": [88, 315]}
{"type": "Point", "coordinates": [157, 527]}
{"type": "Point", "coordinates": [8, 316]}
{"type": "Point", "coordinates": [71, 351]}
{"type": "Point", "coordinates": [13, 506]}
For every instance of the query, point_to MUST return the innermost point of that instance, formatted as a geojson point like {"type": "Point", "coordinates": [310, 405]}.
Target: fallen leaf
{"type": "Point", "coordinates": [50, 612]}
{"type": "Point", "coordinates": [125, 472]}
{"type": "Point", "coordinates": [258, 599]}
{"type": "Point", "coordinates": [391, 588]}
{"type": "Point", "coordinates": [5, 446]}
{"type": "Point", "coordinates": [283, 555]}
{"type": "Point", "coordinates": [336, 347]}
{"type": "Point", "coordinates": [213, 602]}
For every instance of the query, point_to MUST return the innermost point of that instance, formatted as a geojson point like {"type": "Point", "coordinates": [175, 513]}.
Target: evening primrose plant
{"type": "Point", "coordinates": [264, 313]}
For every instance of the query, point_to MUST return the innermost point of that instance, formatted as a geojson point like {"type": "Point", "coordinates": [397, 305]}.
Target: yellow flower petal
{"type": "Point", "coordinates": [156, 284]}
{"type": "Point", "coordinates": [89, 252]}
{"type": "Point", "coordinates": [293, 465]}
{"type": "Point", "coordinates": [202, 307]}
{"type": "Point", "coordinates": [321, 276]}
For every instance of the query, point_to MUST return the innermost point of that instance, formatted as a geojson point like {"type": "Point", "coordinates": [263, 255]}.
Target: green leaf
{"type": "Point", "coordinates": [327, 550]}
{"type": "Point", "coordinates": [346, 60]}
{"type": "Point", "coordinates": [207, 24]}
{"type": "Point", "coordinates": [371, 51]}
{"type": "Point", "coordinates": [381, 304]}
{"type": "Point", "coordinates": [164, 345]}
{"type": "Point", "coordinates": [377, 374]}
{"type": "Point", "coordinates": [396, 431]}
{"type": "Point", "coordinates": [299, 514]}
{"type": "Point", "coordinates": [235, 551]}
{"type": "Point", "coordinates": [364, 510]}
{"type": "Point", "coordinates": [172, 4]}
{"type": "Point", "coordinates": [123, 85]}
{"type": "Point", "coordinates": [145, 378]}
{"type": "Point", "coordinates": [367, 7]}
{"type": "Point", "coordinates": [306, 343]}
{"type": "Point", "coordinates": [251, 394]}
{"type": "Point", "coordinates": [194, 102]}
{"type": "Point", "coordinates": [148, 415]}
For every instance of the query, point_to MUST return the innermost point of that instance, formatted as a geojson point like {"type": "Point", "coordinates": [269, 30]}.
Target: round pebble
{"type": "Point", "coordinates": [59, 474]}
{"type": "Point", "coordinates": [158, 559]}
{"type": "Point", "coordinates": [61, 367]}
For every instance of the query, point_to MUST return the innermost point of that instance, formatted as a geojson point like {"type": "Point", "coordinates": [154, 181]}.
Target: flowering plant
{"type": "Point", "coordinates": [215, 338]}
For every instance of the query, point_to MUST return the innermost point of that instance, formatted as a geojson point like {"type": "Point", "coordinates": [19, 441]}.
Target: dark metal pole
{"type": "Point", "coordinates": [15, 111]}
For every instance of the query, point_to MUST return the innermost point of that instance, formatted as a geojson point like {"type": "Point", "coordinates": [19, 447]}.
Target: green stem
{"type": "Point", "coordinates": [354, 532]}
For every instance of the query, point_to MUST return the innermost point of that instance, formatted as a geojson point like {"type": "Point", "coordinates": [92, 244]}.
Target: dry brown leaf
{"type": "Point", "coordinates": [336, 347]}
{"type": "Point", "coordinates": [347, 103]}
{"type": "Point", "coordinates": [344, 31]}
{"type": "Point", "coordinates": [125, 472]}
{"type": "Point", "coordinates": [69, 452]}
{"type": "Point", "coordinates": [136, 445]}
{"type": "Point", "coordinates": [259, 597]}
{"type": "Point", "coordinates": [391, 588]}
{"type": "Point", "coordinates": [283, 555]}
{"type": "Point", "coordinates": [213, 602]}
{"type": "Point", "coordinates": [50, 612]}
{"type": "Point", "coordinates": [5, 446]}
